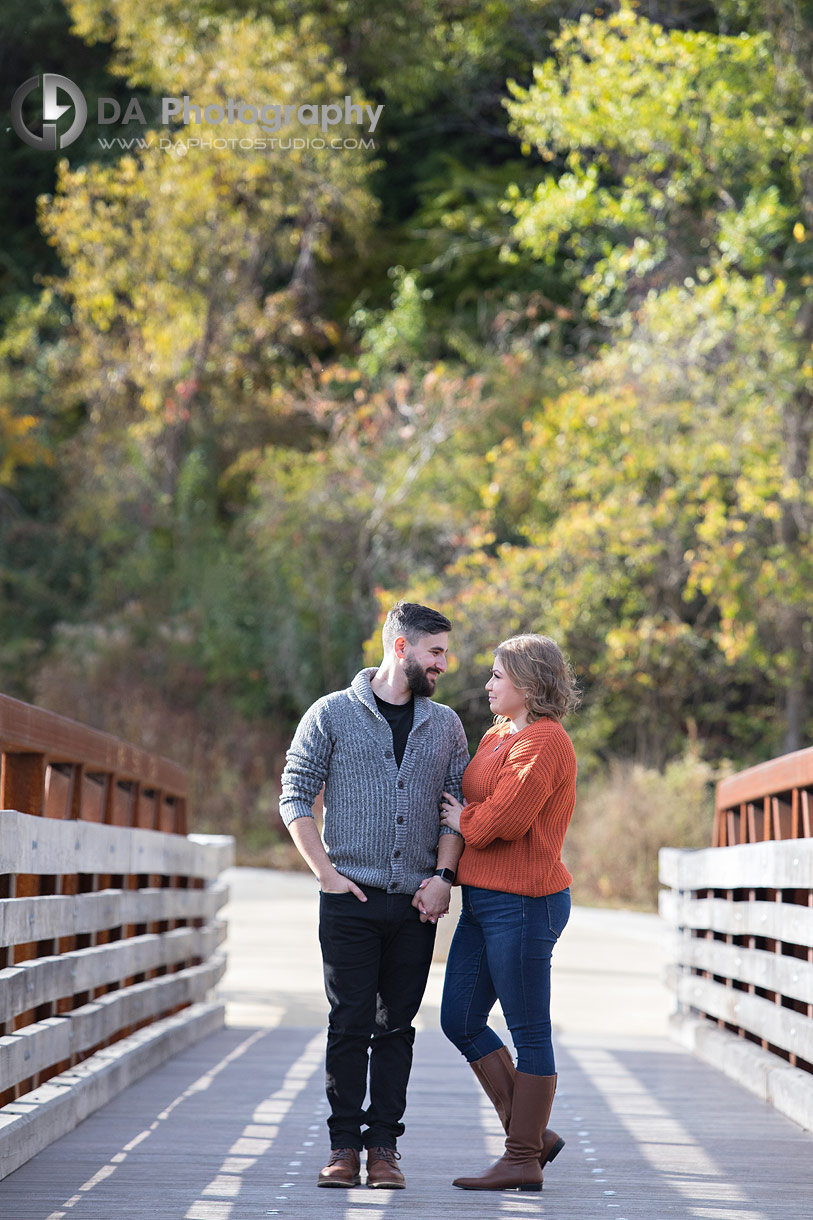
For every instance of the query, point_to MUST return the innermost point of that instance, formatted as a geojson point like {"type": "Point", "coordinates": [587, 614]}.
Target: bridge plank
{"type": "Point", "coordinates": [234, 1129]}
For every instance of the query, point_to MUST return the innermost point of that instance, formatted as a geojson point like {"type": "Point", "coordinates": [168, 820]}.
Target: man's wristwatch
{"type": "Point", "coordinates": [448, 874]}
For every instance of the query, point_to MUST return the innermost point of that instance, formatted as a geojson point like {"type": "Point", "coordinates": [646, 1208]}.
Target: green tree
{"type": "Point", "coordinates": [384, 504]}
{"type": "Point", "coordinates": [193, 279]}
{"type": "Point", "coordinates": [685, 161]}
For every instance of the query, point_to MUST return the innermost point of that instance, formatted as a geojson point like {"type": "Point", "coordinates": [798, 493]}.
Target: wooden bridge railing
{"type": "Point", "coordinates": [743, 915]}
{"type": "Point", "coordinates": [109, 945]}
{"type": "Point", "coordinates": [771, 801]}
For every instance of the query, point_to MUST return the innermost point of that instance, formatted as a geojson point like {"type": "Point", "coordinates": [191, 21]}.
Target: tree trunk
{"type": "Point", "coordinates": [795, 531]}
{"type": "Point", "coordinates": [795, 717]}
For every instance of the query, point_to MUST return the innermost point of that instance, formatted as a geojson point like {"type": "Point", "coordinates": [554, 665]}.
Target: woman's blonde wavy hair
{"type": "Point", "coordinates": [537, 666]}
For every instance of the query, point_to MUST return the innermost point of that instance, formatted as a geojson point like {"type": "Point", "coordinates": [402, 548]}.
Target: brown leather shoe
{"type": "Point", "coordinates": [342, 1169]}
{"type": "Point", "coordinates": [382, 1170]}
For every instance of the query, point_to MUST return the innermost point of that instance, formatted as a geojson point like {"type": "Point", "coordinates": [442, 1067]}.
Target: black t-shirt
{"type": "Point", "coordinates": [399, 717]}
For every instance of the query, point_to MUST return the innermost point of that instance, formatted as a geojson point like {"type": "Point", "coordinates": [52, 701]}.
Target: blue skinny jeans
{"type": "Point", "coordinates": [501, 950]}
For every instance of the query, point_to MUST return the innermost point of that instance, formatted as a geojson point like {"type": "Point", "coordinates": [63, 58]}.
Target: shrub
{"type": "Point", "coordinates": [624, 816]}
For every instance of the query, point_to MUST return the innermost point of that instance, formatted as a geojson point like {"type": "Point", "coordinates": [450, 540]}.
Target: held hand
{"type": "Point", "coordinates": [417, 902]}
{"type": "Point", "coordinates": [432, 899]}
{"type": "Point", "coordinates": [450, 811]}
{"type": "Point", "coordinates": [338, 884]}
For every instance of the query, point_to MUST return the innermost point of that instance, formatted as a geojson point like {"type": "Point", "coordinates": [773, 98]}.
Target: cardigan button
{"type": "Point", "coordinates": [400, 783]}
{"type": "Point", "coordinates": [396, 854]}
{"type": "Point", "coordinates": [400, 820]}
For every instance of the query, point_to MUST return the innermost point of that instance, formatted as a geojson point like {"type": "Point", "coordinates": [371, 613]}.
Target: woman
{"type": "Point", "coordinates": [519, 791]}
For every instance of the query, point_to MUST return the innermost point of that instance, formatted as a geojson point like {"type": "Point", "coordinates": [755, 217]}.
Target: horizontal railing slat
{"type": "Point", "coordinates": [784, 864]}
{"type": "Point", "coordinates": [788, 976]}
{"type": "Point", "coordinates": [33, 1049]}
{"type": "Point", "coordinates": [43, 980]}
{"type": "Point", "coordinates": [54, 1040]}
{"type": "Point", "coordinates": [23, 920]}
{"type": "Point", "coordinates": [25, 728]}
{"type": "Point", "coordinates": [773, 920]}
{"type": "Point", "coordinates": [42, 846]}
{"type": "Point", "coordinates": [102, 1018]}
{"type": "Point", "coordinates": [779, 1026]}
{"type": "Point", "coordinates": [780, 774]}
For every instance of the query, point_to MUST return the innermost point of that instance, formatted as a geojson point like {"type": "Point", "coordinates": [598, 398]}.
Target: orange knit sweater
{"type": "Point", "coordinates": [521, 789]}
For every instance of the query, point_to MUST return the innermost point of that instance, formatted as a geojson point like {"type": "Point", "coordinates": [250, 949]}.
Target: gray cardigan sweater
{"type": "Point", "coordinates": [381, 823]}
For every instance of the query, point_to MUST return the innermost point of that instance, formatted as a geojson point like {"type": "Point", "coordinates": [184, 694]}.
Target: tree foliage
{"type": "Point", "coordinates": [542, 357]}
{"type": "Point", "coordinates": [683, 200]}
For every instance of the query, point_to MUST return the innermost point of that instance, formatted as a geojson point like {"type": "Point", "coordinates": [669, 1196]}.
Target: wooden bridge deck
{"type": "Point", "coordinates": [233, 1128]}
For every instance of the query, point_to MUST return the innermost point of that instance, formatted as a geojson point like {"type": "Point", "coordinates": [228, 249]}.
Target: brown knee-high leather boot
{"type": "Point", "coordinates": [519, 1168]}
{"type": "Point", "coordinates": [495, 1073]}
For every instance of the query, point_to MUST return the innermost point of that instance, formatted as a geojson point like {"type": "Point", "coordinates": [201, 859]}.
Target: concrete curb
{"type": "Point", "coordinates": [788, 1089]}
{"type": "Point", "coordinates": [56, 1107]}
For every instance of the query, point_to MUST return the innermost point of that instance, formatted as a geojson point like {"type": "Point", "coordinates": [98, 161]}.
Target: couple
{"type": "Point", "coordinates": [402, 824]}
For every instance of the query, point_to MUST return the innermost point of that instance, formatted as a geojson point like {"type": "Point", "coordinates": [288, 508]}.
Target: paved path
{"type": "Point", "coordinates": [607, 967]}
{"type": "Point", "coordinates": [233, 1129]}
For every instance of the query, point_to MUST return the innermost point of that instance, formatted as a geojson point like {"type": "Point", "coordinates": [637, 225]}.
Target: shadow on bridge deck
{"type": "Point", "coordinates": [234, 1128]}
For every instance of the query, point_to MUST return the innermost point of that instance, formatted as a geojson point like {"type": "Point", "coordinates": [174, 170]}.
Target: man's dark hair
{"type": "Point", "coordinates": [412, 620]}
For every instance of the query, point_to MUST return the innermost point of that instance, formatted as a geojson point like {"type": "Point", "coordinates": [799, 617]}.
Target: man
{"type": "Point", "coordinates": [385, 754]}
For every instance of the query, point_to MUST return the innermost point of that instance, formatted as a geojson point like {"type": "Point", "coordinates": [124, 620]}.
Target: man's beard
{"type": "Point", "coordinates": [417, 680]}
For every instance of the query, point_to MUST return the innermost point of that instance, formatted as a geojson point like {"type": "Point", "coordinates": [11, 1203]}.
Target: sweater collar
{"type": "Point", "coordinates": [364, 693]}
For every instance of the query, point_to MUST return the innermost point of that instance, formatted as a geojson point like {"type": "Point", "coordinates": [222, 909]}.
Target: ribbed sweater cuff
{"type": "Point", "coordinates": [292, 810]}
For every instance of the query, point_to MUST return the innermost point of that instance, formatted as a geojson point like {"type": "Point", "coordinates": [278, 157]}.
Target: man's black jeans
{"type": "Point", "coordinates": [376, 957]}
